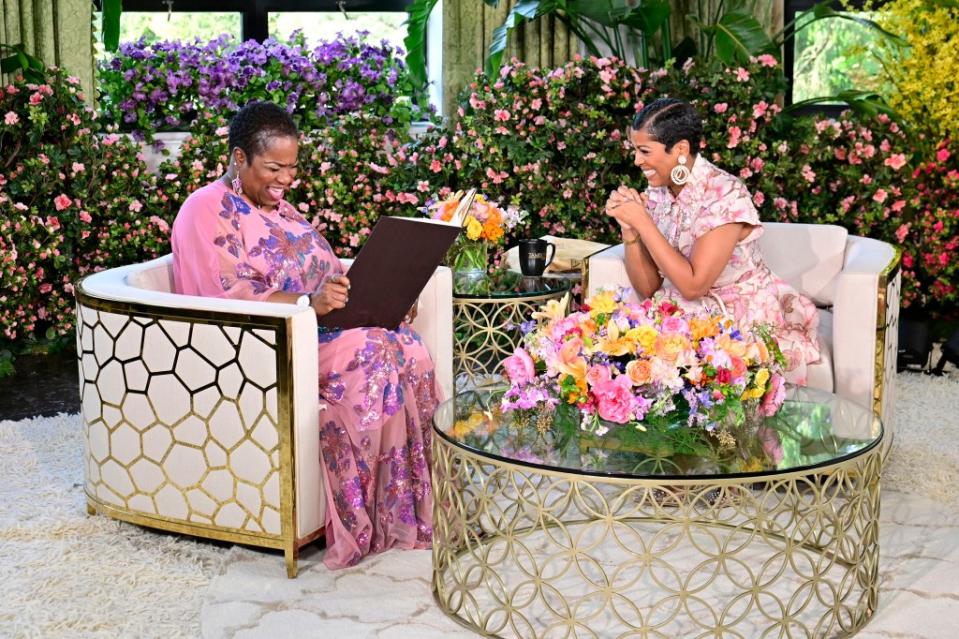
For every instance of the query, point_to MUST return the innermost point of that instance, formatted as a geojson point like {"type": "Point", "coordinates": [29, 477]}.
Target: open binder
{"type": "Point", "coordinates": [393, 267]}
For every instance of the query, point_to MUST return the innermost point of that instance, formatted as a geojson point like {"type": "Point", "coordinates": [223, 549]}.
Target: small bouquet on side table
{"type": "Point", "coordinates": [485, 224]}
{"type": "Point", "coordinates": [645, 377]}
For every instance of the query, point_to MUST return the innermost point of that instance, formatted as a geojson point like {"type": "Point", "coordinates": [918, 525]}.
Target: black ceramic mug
{"type": "Point", "coordinates": [533, 254]}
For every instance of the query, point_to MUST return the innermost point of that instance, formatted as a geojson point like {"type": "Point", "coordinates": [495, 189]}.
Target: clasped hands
{"type": "Point", "coordinates": [335, 293]}
{"type": "Point", "coordinates": [628, 207]}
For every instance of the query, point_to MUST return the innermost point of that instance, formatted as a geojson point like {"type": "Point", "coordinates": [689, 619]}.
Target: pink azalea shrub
{"type": "Point", "coordinates": [348, 176]}
{"type": "Point", "coordinates": [929, 232]}
{"type": "Point", "coordinates": [554, 141]}
{"type": "Point", "coordinates": [70, 202]}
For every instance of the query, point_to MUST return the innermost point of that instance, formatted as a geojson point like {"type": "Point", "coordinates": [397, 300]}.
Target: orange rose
{"type": "Point", "coordinates": [639, 371]}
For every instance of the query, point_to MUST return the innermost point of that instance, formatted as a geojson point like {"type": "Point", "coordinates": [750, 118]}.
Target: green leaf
{"type": "Point", "coordinates": [9, 64]}
{"type": "Point", "coordinates": [111, 24]}
{"type": "Point", "coordinates": [650, 16]}
{"type": "Point", "coordinates": [864, 102]}
{"type": "Point", "coordinates": [739, 36]}
{"type": "Point", "coordinates": [415, 40]}
{"type": "Point", "coordinates": [522, 11]}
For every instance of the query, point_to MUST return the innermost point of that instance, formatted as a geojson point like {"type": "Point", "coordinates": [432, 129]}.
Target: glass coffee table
{"type": "Point", "coordinates": [534, 539]}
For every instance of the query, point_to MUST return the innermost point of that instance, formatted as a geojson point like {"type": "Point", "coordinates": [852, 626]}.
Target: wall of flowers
{"type": "Point", "coordinates": [75, 196]}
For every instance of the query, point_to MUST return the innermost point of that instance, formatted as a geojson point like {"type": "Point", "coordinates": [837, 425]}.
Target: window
{"type": "Point", "coordinates": [258, 16]}
{"type": "Point", "coordinates": [829, 56]}
{"type": "Point", "coordinates": [383, 25]}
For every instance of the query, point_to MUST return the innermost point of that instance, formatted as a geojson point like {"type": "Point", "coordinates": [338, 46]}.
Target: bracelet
{"type": "Point", "coordinates": [635, 240]}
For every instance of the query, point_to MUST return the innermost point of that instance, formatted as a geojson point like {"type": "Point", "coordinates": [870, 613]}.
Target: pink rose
{"type": "Point", "coordinates": [597, 375]}
{"type": "Point", "coordinates": [501, 114]}
{"type": "Point", "coordinates": [85, 217]}
{"type": "Point", "coordinates": [519, 367]}
{"type": "Point", "coordinates": [942, 154]}
{"type": "Point", "coordinates": [615, 400]}
{"type": "Point", "coordinates": [774, 397]}
{"type": "Point", "coordinates": [11, 118]}
{"type": "Point", "coordinates": [62, 201]}
{"type": "Point", "coordinates": [767, 60]}
{"type": "Point", "coordinates": [880, 196]}
{"type": "Point", "coordinates": [721, 107]}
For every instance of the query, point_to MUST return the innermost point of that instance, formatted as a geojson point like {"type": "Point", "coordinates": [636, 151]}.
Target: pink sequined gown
{"type": "Point", "coordinates": [750, 292]}
{"type": "Point", "coordinates": [378, 385]}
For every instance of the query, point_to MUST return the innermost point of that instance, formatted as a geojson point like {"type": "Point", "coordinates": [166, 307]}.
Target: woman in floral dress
{"type": "Point", "coordinates": [693, 234]}
{"type": "Point", "coordinates": [238, 238]}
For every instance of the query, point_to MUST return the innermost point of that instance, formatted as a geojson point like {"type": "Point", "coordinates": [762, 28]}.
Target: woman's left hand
{"type": "Point", "coordinates": [628, 207]}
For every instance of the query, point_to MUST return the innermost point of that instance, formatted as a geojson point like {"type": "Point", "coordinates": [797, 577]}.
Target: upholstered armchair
{"type": "Point", "coordinates": [201, 415]}
{"type": "Point", "coordinates": [854, 281]}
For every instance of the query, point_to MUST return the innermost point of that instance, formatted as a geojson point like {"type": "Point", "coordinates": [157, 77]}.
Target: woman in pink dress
{"type": "Point", "coordinates": [693, 234]}
{"type": "Point", "coordinates": [238, 238]}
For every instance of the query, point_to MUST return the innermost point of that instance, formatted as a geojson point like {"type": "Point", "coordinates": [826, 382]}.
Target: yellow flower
{"type": "Point", "coordinates": [645, 336]}
{"type": "Point", "coordinates": [602, 302]}
{"type": "Point", "coordinates": [473, 228]}
{"type": "Point", "coordinates": [669, 347]}
{"type": "Point", "coordinates": [761, 378]}
{"type": "Point", "coordinates": [554, 310]}
{"type": "Point", "coordinates": [615, 344]}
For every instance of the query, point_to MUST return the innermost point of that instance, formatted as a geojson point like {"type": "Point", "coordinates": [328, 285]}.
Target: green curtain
{"type": "Point", "coordinates": [769, 14]}
{"type": "Point", "coordinates": [59, 32]}
{"type": "Point", "coordinates": [467, 30]}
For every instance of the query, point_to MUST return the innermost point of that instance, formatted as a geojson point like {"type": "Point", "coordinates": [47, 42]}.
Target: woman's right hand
{"type": "Point", "coordinates": [334, 293]}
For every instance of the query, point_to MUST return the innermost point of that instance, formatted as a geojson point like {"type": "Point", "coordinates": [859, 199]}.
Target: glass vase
{"type": "Point", "coordinates": [471, 261]}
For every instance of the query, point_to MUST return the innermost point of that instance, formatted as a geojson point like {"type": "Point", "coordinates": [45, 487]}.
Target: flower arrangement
{"type": "Point", "coordinates": [648, 369]}
{"type": "Point", "coordinates": [485, 223]}
{"type": "Point", "coordinates": [167, 85]}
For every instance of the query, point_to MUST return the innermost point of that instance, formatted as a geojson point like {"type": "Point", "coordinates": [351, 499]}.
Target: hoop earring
{"type": "Point", "coordinates": [680, 173]}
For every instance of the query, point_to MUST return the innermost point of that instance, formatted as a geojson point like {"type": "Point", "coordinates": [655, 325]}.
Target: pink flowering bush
{"type": "Point", "coordinates": [553, 141]}
{"type": "Point", "coordinates": [70, 202]}
{"type": "Point", "coordinates": [929, 232]}
{"type": "Point", "coordinates": [349, 175]}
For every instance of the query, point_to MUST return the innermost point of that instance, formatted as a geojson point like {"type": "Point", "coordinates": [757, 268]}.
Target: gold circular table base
{"type": "Point", "coordinates": [522, 552]}
{"type": "Point", "coordinates": [485, 333]}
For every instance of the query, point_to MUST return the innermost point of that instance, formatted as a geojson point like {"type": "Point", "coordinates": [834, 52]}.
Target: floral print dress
{"type": "Point", "coordinates": [377, 385]}
{"type": "Point", "coordinates": [746, 289]}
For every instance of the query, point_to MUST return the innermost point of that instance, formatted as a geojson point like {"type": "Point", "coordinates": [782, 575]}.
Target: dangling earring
{"type": "Point", "coordinates": [236, 182]}
{"type": "Point", "coordinates": [680, 173]}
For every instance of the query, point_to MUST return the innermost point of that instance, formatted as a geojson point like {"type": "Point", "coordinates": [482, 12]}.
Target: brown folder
{"type": "Point", "coordinates": [390, 271]}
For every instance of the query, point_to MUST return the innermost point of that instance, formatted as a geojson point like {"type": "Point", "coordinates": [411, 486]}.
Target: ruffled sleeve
{"type": "Point", "coordinates": [209, 255]}
{"type": "Point", "coordinates": [726, 201]}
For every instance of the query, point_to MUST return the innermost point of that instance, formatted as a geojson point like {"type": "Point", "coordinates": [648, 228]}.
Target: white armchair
{"type": "Point", "coordinates": [855, 283]}
{"type": "Point", "coordinates": [201, 415]}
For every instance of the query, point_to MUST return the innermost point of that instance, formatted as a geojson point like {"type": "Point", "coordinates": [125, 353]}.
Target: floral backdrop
{"type": "Point", "coordinates": [550, 141]}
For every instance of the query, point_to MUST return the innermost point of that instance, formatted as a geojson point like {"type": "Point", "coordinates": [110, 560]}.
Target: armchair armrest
{"type": "Point", "coordinates": [606, 269]}
{"type": "Point", "coordinates": [860, 319]}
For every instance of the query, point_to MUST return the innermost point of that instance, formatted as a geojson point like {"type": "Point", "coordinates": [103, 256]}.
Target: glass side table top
{"type": "Point", "coordinates": [812, 429]}
{"type": "Point", "coordinates": [508, 284]}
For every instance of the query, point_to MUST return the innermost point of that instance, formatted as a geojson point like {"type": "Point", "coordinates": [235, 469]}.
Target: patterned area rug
{"type": "Point", "coordinates": [65, 574]}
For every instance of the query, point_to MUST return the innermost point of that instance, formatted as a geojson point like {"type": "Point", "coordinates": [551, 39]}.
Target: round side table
{"type": "Point", "coordinates": [486, 316]}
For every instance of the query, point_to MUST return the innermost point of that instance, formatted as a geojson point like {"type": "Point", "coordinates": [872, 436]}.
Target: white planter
{"type": "Point", "coordinates": [170, 141]}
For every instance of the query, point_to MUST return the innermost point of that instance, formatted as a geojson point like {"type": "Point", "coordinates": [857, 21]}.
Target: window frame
{"type": "Point", "coordinates": [254, 14]}
{"type": "Point", "coordinates": [790, 9]}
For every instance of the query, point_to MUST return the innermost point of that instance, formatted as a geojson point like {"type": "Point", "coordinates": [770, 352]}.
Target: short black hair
{"type": "Point", "coordinates": [253, 126]}
{"type": "Point", "coordinates": [668, 120]}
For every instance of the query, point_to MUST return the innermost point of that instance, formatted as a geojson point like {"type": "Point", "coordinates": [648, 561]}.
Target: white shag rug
{"type": "Point", "coordinates": [924, 459]}
{"type": "Point", "coordinates": [65, 574]}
